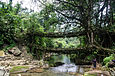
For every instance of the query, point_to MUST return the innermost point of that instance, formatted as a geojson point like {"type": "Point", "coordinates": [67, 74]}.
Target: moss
{"type": "Point", "coordinates": [90, 74]}
{"type": "Point", "coordinates": [18, 68]}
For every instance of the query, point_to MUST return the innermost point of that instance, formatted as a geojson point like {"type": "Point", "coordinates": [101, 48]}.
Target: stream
{"type": "Point", "coordinates": [47, 73]}
{"type": "Point", "coordinates": [62, 70]}
{"type": "Point", "coordinates": [67, 67]}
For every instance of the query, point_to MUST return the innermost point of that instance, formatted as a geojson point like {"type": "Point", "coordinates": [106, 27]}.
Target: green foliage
{"type": "Point", "coordinates": [108, 59]}
{"type": "Point", "coordinates": [87, 74]}
{"type": "Point", "coordinates": [6, 48]}
{"type": "Point", "coordinates": [33, 42]}
{"type": "Point", "coordinates": [112, 28]}
{"type": "Point", "coordinates": [8, 22]}
{"type": "Point", "coordinates": [18, 68]}
{"type": "Point", "coordinates": [66, 42]}
{"type": "Point", "coordinates": [16, 25]}
{"type": "Point", "coordinates": [48, 18]}
{"type": "Point", "coordinates": [55, 59]}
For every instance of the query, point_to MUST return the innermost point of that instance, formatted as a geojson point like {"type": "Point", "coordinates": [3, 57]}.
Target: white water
{"type": "Point", "coordinates": [67, 67]}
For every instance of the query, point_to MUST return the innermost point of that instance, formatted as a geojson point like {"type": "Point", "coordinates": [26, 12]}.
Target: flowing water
{"type": "Point", "coordinates": [62, 70]}
{"type": "Point", "coordinates": [67, 66]}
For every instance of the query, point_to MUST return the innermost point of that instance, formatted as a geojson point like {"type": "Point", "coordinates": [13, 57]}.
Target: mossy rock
{"type": "Point", "coordinates": [19, 69]}
{"type": "Point", "coordinates": [87, 74]}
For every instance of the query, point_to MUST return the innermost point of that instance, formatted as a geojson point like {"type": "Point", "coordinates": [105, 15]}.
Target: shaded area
{"type": "Point", "coordinates": [74, 50]}
{"type": "Point", "coordinates": [58, 34]}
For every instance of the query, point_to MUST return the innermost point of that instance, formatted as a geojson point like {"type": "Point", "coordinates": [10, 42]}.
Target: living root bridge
{"type": "Point", "coordinates": [69, 34]}
{"type": "Point", "coordinates": [62, 50]}
{"type": "Point", "coordinates": [75, 50]}
{"type": "Point", "coordinates": [58, 34]}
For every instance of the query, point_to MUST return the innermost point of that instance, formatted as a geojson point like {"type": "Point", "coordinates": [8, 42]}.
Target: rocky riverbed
{"type": "Point", "coordinates": [9, 63]}
{"type": "Point", "coordinates": [25, 65]}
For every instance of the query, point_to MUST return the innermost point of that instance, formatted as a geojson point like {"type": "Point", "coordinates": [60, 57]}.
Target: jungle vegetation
{"type": "Point", "coordinates": [85, 29]}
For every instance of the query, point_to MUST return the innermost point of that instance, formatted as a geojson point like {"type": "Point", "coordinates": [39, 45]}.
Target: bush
{"type": "Point", "coordinates": [108, 59]}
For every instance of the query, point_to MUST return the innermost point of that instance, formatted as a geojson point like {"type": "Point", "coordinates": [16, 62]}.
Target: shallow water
{"type": "Point", "coordinates": [62, 70]}
{"type": "Point", "coordinates": [47, 73]}
{"type": "Point", "coordinates": [65, 68]}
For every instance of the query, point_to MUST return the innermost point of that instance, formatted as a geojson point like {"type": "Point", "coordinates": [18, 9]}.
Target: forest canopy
{"type": "Point", "coordinates": [84, 26]}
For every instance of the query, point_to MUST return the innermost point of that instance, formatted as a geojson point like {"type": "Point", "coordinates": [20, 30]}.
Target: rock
{"type": "Point", "coordinates": [19, 75]}
{"type": "Point", "coordinates": [97, 73]}
{"type": "Point", "coordinates": [72, 73]}
{"type": "Point", "coordinates": [45, 66]}
{"type": "Point", "coordinates": [58, 64]}
{"type": "Point", "coordinates": [21, 63]}
{"type": "Point", "coordinates": [36, 70]}
{"type": "Point", "coordinates": [77, 74]}
{"type": "Point", "coordinates": [111, 64]}
{"type": "Point", "coordinates": [19, 69]}
{"type": "Point", "coordinates": [81, 70]}
{"type": "Point", "coordinates": [15, 51]}
{"type": "Point", "coordinates": [2, 54]}
{"type": "Point", "coordinates": [34, 62]}
{"type": "Point", "coordinates": [112, 71]}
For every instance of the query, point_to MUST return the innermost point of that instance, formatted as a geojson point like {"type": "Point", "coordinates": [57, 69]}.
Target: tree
{"type": "Point", "coordinates": [91, 21]}
{"type": "Point", "coordinates": [94, 19]}
{"type": "Point", "coordinates": [89, 16]}
{"type": "Point", "coordinates": [9, 20]}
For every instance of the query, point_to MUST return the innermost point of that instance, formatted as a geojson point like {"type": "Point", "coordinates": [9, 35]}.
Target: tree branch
{"type": "Point", "coordinates": [69, 3]}
{"type": "Point", "coordinates": [103, 7]}
{"type": "Point", "coordinates": [73, 17]}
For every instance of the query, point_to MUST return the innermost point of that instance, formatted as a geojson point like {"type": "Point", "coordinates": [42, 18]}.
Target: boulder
{"type": "Point", "coordinates": [97, 73]}
{"type": "Point", "coordinates": [2, 54]}
{"type": "Point", "coordinates": [58, 64]}
{"type": "Point", "coordinates": [15, 51]}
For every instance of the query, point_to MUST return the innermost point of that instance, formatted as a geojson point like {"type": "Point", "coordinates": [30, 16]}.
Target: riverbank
{"type": "Point", "coordinates": [25, 65]}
